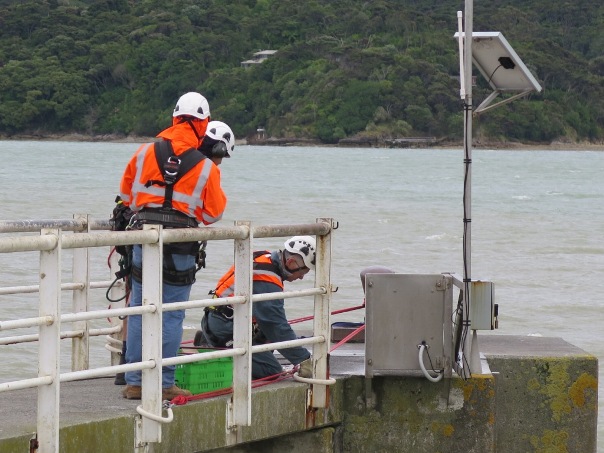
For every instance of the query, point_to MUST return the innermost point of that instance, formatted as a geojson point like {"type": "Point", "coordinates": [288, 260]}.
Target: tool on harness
{"type": "Point", "coordinates": [225, 311]}
{"type": "Point", "coordinates": [120, 220]}
{"type": "Point", "coordinates": [201, 255]}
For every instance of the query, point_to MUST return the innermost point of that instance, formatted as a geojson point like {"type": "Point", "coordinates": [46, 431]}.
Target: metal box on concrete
{"type": "Point", "coordinates": [402, 310]}
{"type": "Point", "coordinates": [482, 306]}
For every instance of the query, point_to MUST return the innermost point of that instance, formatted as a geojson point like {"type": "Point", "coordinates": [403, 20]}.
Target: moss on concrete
{"type": "Point", "coordinates": [100, 437]}
{"type": "Point", "coordinates": [546, 404]}
{"type": "Point", "coordinates": [415, 415]}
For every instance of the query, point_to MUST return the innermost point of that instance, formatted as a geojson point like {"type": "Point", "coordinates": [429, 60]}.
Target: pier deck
{"type": "Point", "coordinates": [532, 377]}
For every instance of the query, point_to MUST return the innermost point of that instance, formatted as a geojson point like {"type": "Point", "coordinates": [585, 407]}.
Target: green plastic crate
{"type": "Point", "coordinates": [205, 376]}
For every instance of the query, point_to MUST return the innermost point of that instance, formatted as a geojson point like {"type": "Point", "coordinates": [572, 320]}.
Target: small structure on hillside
{"type": "Point", "coordinates": [258, 58]}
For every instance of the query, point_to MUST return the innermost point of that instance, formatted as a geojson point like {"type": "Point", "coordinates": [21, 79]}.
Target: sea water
{"type": "Point", "coordinates": [537, 220]}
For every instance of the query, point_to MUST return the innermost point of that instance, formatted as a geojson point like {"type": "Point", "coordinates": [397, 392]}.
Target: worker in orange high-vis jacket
{"type": "Point", "coordinates": [270, 270]}
{"type": "Point", "coordinates": [174, 182]}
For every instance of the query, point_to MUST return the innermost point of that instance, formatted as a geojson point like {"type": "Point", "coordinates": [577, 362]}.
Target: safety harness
{"type": "Point", "coordinates": [173, 168]}
{"type": "Point", "coordinates": [226, 311]}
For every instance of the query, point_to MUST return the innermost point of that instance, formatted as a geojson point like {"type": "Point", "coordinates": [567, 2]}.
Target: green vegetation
{"type": "Point", "coordinates": [344, 68]}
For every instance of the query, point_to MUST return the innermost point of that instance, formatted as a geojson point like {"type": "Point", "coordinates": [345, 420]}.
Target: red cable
{"type": "Point", "coordinates": [181, 400]}
{"type": "Point", "coordinates": [347, 337]}
{"type": "Point", "coordinates": [109, 257]}
{"type": "Point", "coordinates": [335, 312]}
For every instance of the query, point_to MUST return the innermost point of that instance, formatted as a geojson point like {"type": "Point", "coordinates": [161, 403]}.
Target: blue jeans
{"type": "Point", "coordinates": [172, 321]}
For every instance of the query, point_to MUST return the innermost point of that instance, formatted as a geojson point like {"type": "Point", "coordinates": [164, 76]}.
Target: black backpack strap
{"type": "Point", "coordinates": [173, 167]}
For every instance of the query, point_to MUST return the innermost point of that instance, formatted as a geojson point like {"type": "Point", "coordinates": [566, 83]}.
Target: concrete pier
{"type": "Point", "coordinates": [540, 395]}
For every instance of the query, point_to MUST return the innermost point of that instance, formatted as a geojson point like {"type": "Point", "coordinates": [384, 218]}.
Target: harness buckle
{"type": "Point", "coordinates": [171, 168]}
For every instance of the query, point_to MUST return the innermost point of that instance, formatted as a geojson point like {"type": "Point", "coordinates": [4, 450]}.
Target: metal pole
{"type": "Point", "coordinates": [470, 342]}
{"type": "Point", "coordinates": [467, 204]}
{"type": "Point", "coordinates": [467, 201]}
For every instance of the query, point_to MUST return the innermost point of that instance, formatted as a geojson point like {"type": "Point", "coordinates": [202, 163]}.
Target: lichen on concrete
{"type": "Point", "coordinates": [551, 442]}
{"type": "Point", "coordinates": [579, 389]}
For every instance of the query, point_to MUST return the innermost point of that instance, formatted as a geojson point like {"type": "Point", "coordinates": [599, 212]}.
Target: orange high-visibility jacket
{"type": "Point", "coordinates": [264, 270]}
{"type": "Point", "coordinates": [197, 194]}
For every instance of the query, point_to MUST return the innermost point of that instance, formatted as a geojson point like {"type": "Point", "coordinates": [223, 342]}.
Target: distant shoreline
{"type": "Point", "coordinates": [284, 142]}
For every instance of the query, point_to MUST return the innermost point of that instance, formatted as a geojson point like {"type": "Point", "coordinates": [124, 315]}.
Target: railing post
{"type": "Point", "coordinates": [321, 325]}
{"type": "Point", "coordinates": [152, 334]}
{"type": "Point", "coordinates": [49, 356]}
{"type": "Point", "coordinates": [242, 332]}
{"type": "Point", "coordinates": [80, 348]}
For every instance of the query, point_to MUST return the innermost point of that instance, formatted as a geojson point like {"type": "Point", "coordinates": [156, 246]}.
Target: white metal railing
{"type": "Point", "coordinates": [53, 240]}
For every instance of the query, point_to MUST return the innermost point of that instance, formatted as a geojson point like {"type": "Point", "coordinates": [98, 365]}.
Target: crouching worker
{"type": "Point", "coordinates": [270, 270]}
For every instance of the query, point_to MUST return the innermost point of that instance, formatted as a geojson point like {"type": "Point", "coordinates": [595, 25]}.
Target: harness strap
{"type": "Point", "coordinates": [169, 218]}
{"type": "Point", "coordinates": [226, 311]}
{"type": "Point", "coordinates": [173, 167]}
{"type": "Point", "coordinates": [255, 265]}
{"type": "Point", "coordinates": [170, 276]}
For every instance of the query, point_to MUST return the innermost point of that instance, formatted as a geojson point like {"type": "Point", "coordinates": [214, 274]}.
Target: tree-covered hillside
{"type": "Point", "coordinates": [344, 68]}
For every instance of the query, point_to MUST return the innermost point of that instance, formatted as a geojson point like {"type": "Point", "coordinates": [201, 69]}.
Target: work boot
{"type": "Point", "coordinates": [132, 392]}
{"type": "Point", "coordinates": [171, 392]}
{"type": "Point", "coordinates": [198, 340]}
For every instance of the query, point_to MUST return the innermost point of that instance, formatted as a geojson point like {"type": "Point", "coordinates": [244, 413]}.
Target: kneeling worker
{"type": "Point", "coordinates": [270, 270]}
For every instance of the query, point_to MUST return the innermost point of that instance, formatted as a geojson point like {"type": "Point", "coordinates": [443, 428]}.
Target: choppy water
{"type": "Point", "coordinates": [537, 221]}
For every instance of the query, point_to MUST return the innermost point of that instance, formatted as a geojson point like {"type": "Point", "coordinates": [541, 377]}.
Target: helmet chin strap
{"type": "Point", "coordinates": [190, 122]}
{"type": "Point", "coordinates": [286, 272]}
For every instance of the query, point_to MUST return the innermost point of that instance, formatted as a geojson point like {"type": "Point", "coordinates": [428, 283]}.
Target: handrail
{"type": "Point", "coordinates": [33, 226]}
{"type": "Point", "coordinates": [81, 234]}
{"type": "Point", "coordinates": [64, 334]}
{"type": "Point", "coordinates": [64, 286]}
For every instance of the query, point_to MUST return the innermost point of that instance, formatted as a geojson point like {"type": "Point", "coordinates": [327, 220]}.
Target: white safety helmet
{"type": "Point", "coordinates": [305, 246]}
{"type": "Point", "coordinates": [192, 104]}
{"type": "Point", "coordinates": [221, 132]}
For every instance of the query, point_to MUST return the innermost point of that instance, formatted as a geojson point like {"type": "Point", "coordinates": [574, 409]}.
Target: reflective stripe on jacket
{"type": "Point", "coordinates": [264, 270]}
{"type": "Point", "coordinates": [197, 194]}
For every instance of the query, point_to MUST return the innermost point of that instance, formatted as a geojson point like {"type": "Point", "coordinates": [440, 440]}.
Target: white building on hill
{"type": "Point", "coordinates": [258, 58]}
